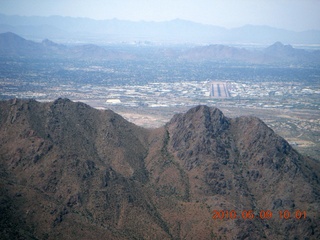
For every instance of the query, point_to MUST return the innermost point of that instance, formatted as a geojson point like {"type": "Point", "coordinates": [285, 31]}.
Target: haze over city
{"type": "Point", "coordinates": [294, 15]}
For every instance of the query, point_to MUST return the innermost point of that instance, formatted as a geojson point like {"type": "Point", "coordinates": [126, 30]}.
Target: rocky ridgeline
{"type": "Point", "coordinates": [70, 171]}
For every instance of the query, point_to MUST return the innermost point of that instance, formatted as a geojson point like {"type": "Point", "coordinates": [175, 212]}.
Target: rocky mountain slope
{"type": "Point", "coordinates": [68, 171]}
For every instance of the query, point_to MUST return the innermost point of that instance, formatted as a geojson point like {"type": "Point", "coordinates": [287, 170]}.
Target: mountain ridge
{"type": "Point", "coordinates": [174, 31]}
{"type": "Point", "coordinates": [93, 174]}
{"type": "Point", "coordinates": [12, 44]}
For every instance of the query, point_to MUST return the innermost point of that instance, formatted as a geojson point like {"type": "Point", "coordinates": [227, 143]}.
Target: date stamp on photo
{"type": "Point", "coordinates": [262, 214]}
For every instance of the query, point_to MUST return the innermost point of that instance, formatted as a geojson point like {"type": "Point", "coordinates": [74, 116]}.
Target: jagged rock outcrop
{"type": "Point", "coordinates": [70, 171]}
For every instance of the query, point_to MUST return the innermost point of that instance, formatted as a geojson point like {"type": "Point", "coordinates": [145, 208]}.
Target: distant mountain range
{"type": "Point", "coordinates": [15, 46]}
{"type": "Point", "coordinates": [276, 53]}
{"type": "Point", "coordinates": [68, 29]}
{"type": "Point", "coordinates": [69, 171]}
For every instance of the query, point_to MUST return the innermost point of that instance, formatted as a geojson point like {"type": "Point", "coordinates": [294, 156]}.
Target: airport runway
{"type": "Point", "coordinates": [219, 90]}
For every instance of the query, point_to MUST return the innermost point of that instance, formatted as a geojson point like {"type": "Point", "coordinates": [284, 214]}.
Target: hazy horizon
{"type": "Point", "coordinates": [294, 15]}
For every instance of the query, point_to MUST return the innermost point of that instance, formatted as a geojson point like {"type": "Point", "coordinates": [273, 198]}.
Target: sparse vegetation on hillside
{"type": "Point", "coordinates": [73, 172]}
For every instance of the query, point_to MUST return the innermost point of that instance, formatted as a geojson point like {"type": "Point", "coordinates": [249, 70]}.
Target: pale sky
{"type": "Point", "coordinates": [296, 15]}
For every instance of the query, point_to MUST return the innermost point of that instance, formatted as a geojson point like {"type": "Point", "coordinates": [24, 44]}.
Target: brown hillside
{"type": "Point", "coordinates": [68, 171]}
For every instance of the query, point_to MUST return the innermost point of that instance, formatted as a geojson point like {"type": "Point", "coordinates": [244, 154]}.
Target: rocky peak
{"type": "Point", "coordinates": [198, 134]}
{"type": "Point", "coordinates": [200, 118]}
